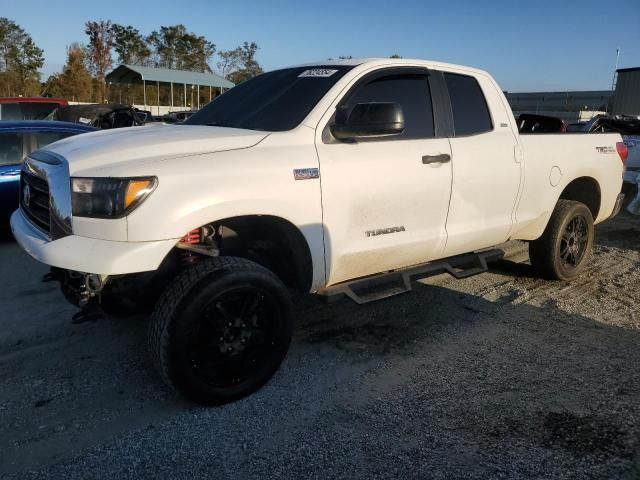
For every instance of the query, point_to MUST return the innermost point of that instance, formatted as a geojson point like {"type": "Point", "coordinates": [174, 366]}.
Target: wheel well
{"type": "Point", "coordinates": [272, 242]}
{"type": "Point", "coordinates": [585, 190]}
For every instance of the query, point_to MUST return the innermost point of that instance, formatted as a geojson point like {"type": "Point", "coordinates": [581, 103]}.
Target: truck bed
{"type": "Point", "coordinates": [551, 162]}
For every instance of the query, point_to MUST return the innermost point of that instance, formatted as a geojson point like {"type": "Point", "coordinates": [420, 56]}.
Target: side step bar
{"type": "Point", "coordinates": [388, 284]}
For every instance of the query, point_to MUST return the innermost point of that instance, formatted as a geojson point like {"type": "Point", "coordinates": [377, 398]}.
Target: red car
{"type": "Point", "coordinates": [28, 108]}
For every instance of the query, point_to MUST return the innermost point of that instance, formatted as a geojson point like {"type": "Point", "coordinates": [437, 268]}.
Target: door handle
{"type": "Point", "coordinates": [442, 158]}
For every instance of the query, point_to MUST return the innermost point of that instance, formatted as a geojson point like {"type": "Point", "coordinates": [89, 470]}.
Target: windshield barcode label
{"type": "Point", "coordinates": [318, 73]}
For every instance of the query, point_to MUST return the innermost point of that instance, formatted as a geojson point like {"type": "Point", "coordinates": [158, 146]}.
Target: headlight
{"type": "Point", "coordinates": [109, 197]}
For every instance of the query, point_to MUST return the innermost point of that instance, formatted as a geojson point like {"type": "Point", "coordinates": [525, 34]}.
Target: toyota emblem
{"type": "Point", "coordinates": [26, 195]}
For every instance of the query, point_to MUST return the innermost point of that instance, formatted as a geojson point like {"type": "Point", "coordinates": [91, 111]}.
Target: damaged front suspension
{"type": "Point", "coordinates": [83, 290]}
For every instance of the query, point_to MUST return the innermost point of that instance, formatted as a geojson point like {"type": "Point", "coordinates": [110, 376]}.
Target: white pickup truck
{"type": "Point", "coordinates": [331, 178]}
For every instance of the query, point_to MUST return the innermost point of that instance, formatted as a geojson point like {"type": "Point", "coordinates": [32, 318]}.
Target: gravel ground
{"type": "Point", "coordinates": [497, 376]}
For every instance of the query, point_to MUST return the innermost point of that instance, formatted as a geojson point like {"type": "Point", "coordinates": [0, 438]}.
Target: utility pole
{"type": "Point", "coordinates": [615, 76]}
{"type": "Point", "coordinates": [615, 71]}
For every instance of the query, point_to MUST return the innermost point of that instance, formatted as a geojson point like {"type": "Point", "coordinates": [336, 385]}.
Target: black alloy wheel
{"type": "Point", "coordinates": [236, 334]}
{"type": "Point", "coordinates": [221, 329]}
{"type": "Point", "coordinates": [563, 250]}
{"type": "Point", "coordinates": [574, 242]}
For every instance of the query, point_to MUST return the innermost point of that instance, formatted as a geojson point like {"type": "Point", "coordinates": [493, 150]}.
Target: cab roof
{"type": "Point", "coordinates": [354, 62]}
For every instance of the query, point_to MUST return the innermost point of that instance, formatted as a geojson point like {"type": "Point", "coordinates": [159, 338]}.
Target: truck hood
{"type": "Point", "coordinates": [99, 152]}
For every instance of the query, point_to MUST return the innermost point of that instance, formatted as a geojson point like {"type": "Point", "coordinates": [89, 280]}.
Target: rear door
{"type": "Point", "coordinates": [486, 165]}
{"type": "Point", "coordinates": [384, 201]}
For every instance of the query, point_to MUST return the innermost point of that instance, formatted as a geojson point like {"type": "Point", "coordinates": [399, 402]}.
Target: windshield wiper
{"type": "Point", "coordinates": [227, 125]}
{"type": "Point", "coordinates": [219, 124]}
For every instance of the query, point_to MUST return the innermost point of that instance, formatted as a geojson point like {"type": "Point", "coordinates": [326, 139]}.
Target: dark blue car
{"type": "Point", "coordinates": [18, 139]}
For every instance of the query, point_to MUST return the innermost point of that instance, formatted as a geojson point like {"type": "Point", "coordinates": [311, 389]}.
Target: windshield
{"type": "Point", "coordinates": [26, 111]}
{"type": "Point", "coordinates": [274, 101]}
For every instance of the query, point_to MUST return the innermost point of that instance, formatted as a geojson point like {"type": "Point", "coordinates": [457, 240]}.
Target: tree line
{"type": "Point", "coordinates": [20, 61]}
{"type": "Point", "coordinates": [83, 75]}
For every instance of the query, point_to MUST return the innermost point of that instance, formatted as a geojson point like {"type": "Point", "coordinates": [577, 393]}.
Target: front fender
{"type": "Point", "coordinates": [254, 181]}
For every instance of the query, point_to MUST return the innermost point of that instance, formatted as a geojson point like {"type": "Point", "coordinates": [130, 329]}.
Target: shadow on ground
{"type": "Point", "coordinates": [622, 233]}
{"type": "Point", "coordinates": [437, 383]}
{"type": "Point", "coordinates": [460, 386]}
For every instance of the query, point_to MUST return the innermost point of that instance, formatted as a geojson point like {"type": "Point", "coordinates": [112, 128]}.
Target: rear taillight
{"type": "Point", "coordinates": [623, 151]}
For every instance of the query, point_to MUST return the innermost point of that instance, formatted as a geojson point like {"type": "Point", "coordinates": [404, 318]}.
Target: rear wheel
{"type": "Point", "coordinates": [221, 329]}
{"type": "Point", "coordinates": [564, 248]}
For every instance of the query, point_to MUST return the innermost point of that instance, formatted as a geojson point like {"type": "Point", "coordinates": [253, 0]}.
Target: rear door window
{"type": "Point", "coordinates": [470, 111]}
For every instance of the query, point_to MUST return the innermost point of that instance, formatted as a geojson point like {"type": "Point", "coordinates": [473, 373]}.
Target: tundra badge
{"type": "Point", "coordinates": [384, 231]}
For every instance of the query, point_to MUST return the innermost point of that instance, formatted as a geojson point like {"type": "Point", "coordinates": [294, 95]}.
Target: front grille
{"type": "Point", "coordinates": [34, 200]}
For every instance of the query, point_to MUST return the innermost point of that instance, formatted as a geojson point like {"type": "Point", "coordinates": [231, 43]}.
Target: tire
{"type": "Point", "coordinates": [565, 247]}
{"type": "Point", "coordinates": [221, 329]}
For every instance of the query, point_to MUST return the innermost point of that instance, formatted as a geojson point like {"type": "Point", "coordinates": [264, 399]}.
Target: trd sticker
{"type": "Point", "coordinates": [606, 150]}
{"type": "Point", "coordinates": [318, 73]}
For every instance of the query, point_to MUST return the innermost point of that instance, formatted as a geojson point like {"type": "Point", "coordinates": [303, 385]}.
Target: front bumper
{"type": "Point", "coordinates": [89, 255]}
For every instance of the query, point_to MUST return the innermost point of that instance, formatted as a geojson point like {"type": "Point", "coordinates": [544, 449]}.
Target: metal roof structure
{"type": "Point", "coordinates": [129, 74]}
{"type": "Point", "coordinates": [138, 75]}
{"type": "Point", "coordinates": [626, 100]}
{"type": "Point", "coordinates": [569, 101]}
{"type": "Point", "coordinates": [626, 70]}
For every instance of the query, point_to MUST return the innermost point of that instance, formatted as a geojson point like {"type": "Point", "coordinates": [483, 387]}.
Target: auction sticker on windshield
{"type": "Point", "coordinates": [318, 73]}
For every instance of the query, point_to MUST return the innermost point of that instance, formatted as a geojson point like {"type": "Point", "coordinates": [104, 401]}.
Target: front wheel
{"type": "Point", "coordinates": [221, 329]}
{"type": "Point", "coordinates": [564, 248]}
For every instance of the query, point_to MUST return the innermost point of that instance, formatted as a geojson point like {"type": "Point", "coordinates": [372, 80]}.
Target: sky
{"type": "Point", "coordinates": [528, 45]}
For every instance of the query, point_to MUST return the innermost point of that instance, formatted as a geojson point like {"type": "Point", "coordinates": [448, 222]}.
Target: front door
{"type": "Point", "coordinates": [385, 200]}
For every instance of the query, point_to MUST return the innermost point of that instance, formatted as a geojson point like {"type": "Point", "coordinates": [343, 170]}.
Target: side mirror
{"type": "Point", "coordinates": [366, 120]}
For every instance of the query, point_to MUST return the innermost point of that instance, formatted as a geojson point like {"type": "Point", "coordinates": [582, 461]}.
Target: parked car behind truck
{"type": "Point", "coordinates": [532, 123]}
{"type": "Point", "coordinates": [28, 108]}
{"type": "Point", "coordinates": [629, 128]}
{"type": "Point", "coordinates": [331, 178]}
{"type": "Point", "coordinates": [99, 115]}
{"type": "Point", "coordinates": [18, 139]}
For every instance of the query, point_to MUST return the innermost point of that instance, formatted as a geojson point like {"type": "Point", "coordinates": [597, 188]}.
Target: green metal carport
{"type": "Point", "coordinates": [135, 74]}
